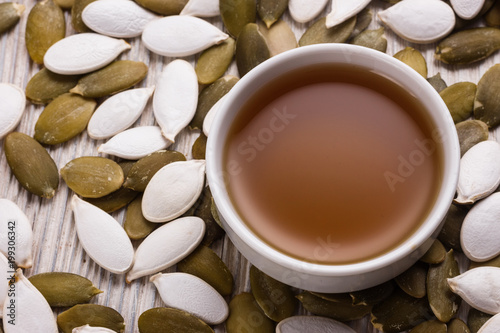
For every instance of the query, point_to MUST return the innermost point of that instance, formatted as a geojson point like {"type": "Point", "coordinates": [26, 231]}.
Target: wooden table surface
{"type": "Point", "coordinates": [56, 246]}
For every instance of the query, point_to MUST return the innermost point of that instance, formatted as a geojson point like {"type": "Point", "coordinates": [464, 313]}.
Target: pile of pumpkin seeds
{"type": "Point", "coordinates": [177, 230]}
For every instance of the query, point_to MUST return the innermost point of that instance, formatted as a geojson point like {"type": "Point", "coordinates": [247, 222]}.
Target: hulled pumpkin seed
{"type": "Point", "coordinates": [470, 133]}
{"type": "Point", "coordinates": [144, 169]}
{"type": "Point", "coordinates": [459, 98]}
{"type": "Point", "coordinates": [65, 4]}
{"type": "Point", "coordinates": [199, 147]}
{"type": "Point", "coordinates": [92, 176]}
{"type": "Point", "coordinates": [115, 200]}
{"type": "Point", "coordinates": [434, 326]}
{"type": "Point", "coordinates": [487, 102]}
{"type": "Point", "coordinates": [437, 82]}
{"type": "Point", "coordinates": [373, 295]}
{"type": "Point", "coordinates": [303, 11]}
{"type": "Point", "coordinates": [10, 13]}
{"type": "Point", "coordinates": [45, 85]}
{"type": "Point", "coordinates": [190, 293]}
{"type": "Point", "coordinates": [476, 319]}
{"type": "Point", "coordinates": [495, 262]}
{"type": "Point", "coordinates": [117, 76]}
{"type": "Point", "coordinates": [209, 96]}
{"type": "Point", "coordinates": [413, 280]}
{"type": "Point", "coordinates": [135, 225]}
{"type": "Point", "coordinates": [214, 62]}
{"type": "Point", "coordinates": [436, 253]}
{"type": "Point", "coordinates": [171, 7]}
{"type": "Point", "coordinates": [400, 312]}
{"type": "Point", "coordinates": [492, 325]}
{"type": "Point", "coordinates": [31, 164]}
{"type": "Point", "coordinates": [76, 15]}
{"type": "Point", "coordinates": [467, 46]}
{"type": "Point", "coordinates": [343, 311]}
{"type": "Point", "coordinates": [236, 14]}
{"type": "Point", "coordinates": [450, 233]}
{"type": "Point", "coordinates": [374, 39]}
{"type": "Point", "coordinates": [270, 11]}
{"type": "Point", "coordinates": [245, 314]}
{"type": "Point", "coordinates": [363, 20]}
{"type": "Point", "coordinates": [457, 325]}
{"type": "Point", "coordinates": [91, 329]}
{"type": "Point", "coordinates": [92, 314]}
{"type": "Point", "coordinates": [275, 298]}
{"type": "Point", "coordinates": [201, 8]}
{"type": "Point", "coordinates": [45, 26]}
{"type": "Point", "coordinates": [14, 104]}
{"type": "Point", "coordinates": [63, 119]}
{"type": "Point", "coordinates": [279, 37]}
{"type": "Point", "coordinates": [251, 49]}
{"type": "Point", "coordinates": [334, 297]}
{"type": "Point", "coordinates": [207, 265]}
{"type": "Point", "coordinates": [204, 211]}
{"type": "Point", "coordinates": [414, 59]}
{"type": "Point", "coordinates": [215, 214]}
{"type": "Point", "coordinates": [319, 33]}
{"type": "Point", "coordinates": [166, 246]}
{"type": "Point", "coordinates": [312, 324]}
{"type": "Point", "coordinates": [171, 320]}
{"type": "Point", "coordinates": [64, 289]}
{"type": "Point", "coordinates": [344, 10]}
{"type": "Point", "coordinates": [492, 17]}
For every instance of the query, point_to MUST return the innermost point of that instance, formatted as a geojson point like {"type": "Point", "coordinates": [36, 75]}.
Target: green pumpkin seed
{"type": "Point", "coordinates": [92, 176]}
{"type": "Point", "coordinates": [444, 303]}
{"type": "Point", "coordinates": [436, 253]}
{"type": "Point", "coordinates": [450, 233]}
{"type": "Point", "coordinates": [214, 62]}
{"type": "Point", "coordinates": [31, 164]}
{"type": "Point", "coordinates": [206, 264]}
{"type": "Point", "coordinates": [476, 319]}
{"type": "Point", "coordinates": [63, 119]}
{"type": "Point", "coordinates": [45, 26]}
{"type": "Point", "coordinates": [199, 147]}
{"type": "Point", "coordinates": [470, 133]}
{"type": "Point", "coordinates": [91, 314]}
{"type": "Point", "coordinates": [458, 326]}
{"type": "Point", "coordinates": [400, 312]}
{"type": "Point", "coordinates": [487, 102]}
{"type": "Point", "coordinates": [64, 289]}
{"type": "Point", "coordinates": [10, 13]}
{"type": "Point", "coordinates": [251, 49]}
{"type": "Point", "coordinates": [467, 46]}
{"type": "Point", "coordinates": [275, 298]}
{"type": "Point", "coordinates": [373, 295]}
{"type": "Point", "coordinates": [363, 20]}
{"type": "Point", "coordinates": [144, 169]}
{"type": "Point", "coordinates": [318, 32]}
{"type": "Point", "coordinates": [413, 280]}
{"type": "Point", "coordinates": [45, 85]}
{"type": "Point", "coordinates": [170, 7]}
{"type": "Point", "coordinates": [270, 11]}
{"type": "Point", "coordinates": [171, 320]}
{"type": "Point", "coordinates": [209, 96]}
{"type": "Point", "coordinates": [279, 38]}
{"type": "Point", "coordinates": [65, 4]}
{"type": "Point", "coordinates": [334, 297]}
{"type": "Point", "coordinates": [495, 262]}
{"type": "Point", "coordinates": [76, 15]}
{"type": "Point", "coordinates": [437, 82]}
{"type": "Point", "coordinates": [204, 211]}
{"type": "Point", "coordinates": [135, 225]}
{"type": "Point", "coordinates": [117, 76]}
{"type": "Point", "coordinates": [492, 17]}
{"type": "Point", "coordinates": [459, 98]}
{"type": "Point", "coordinates": [337, 310]}
{"type": "Point", "coordinates": [245, 315]}
{"type": "Point", "coordinates": [434, 326]}
{"type": "Point", "coordinates": [414, 59]}
{"type": "Point", "coordinates": [215, 213]}
{"type": "Point", "coordinates": [236, 14]}
{"type": "Point", "coordinates": [374, 39]}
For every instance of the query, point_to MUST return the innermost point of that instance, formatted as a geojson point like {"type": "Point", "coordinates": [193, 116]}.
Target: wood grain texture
{"type": "Point", "coordinates": [56, 246]}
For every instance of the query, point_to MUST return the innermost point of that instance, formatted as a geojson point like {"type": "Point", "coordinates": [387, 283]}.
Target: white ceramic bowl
{"type": "Point", "coordinates": [318, 277]}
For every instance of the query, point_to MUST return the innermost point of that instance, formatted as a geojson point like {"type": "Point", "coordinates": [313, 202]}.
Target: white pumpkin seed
{"type": "Point", "coordinates": [13, 102]}
{"type": "Point", "coordinates": [92, 329]}
{"type": "Point", "coordinates": [180, 36]}
{"type": "Point", "coordinates": [135, 143]}
{"type": "Point", "coordinates": [479, 172]}
{"type": "Point", "coordinates": [5, 268]}
{"type": "Point", "coordinates": [176, 98]}
{"type": "Point", "coordinates": [201, 8]}
{"type": "Point", "coordinates": [83, 53]}
{"type": "Point", "coordinates": [166, 246]}
{"type": "Point", "coordinates": [209, 118]}
{"type": "Point", "coordinates": [173, 190]}
{"type": "Point", "coordinates": [102, 237]}
{"type": "Point", "coordinates": [479, 287]}
{"type": "Point", "coordinates": [480, 232]}
{"type": "Point", "coordinates": [344, 10]}
{"type": "Point", "coordinates": [14, 223]}
{"type": "Point", "coordinates": [419, 21]}
{"type": "Point", "coordinates": [118, 112]}
{"type": "Point", "coordinates": [467, 9]}
{"type": "Point", "coordinates": [300, 324]}
{"type": "Point", "coordinates": [190, 293]}
{"type": "Point", "coordinates": [492, 325]}
{"type": "Point", "coordinates": [304, 11]}
{"type": "Point", "coordinates": [117, 18]}
{"type": "Point", "coordinates": [32, 312]}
